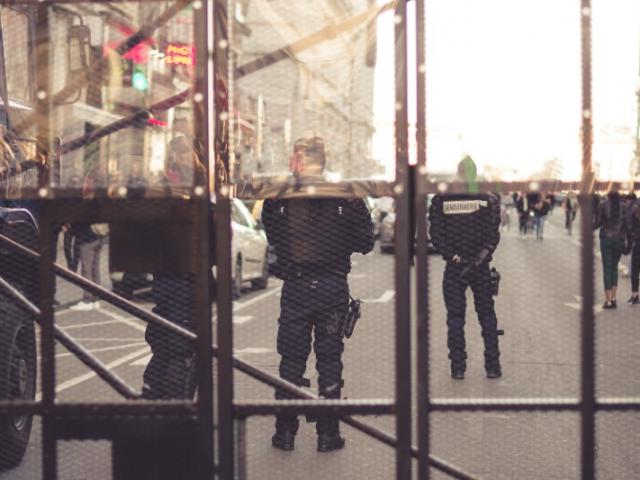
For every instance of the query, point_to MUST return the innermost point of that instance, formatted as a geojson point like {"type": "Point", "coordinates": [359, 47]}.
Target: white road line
{"type": "Point", "coordinates": [252, 351]}
{"type": "Point", "coordinates": [237, 306]}
{"type": "Point", "coordinates": [144, 361]}
{"type": "Point", "coordinates": [106, 339]}
{"type": "Point", "coordinates": [92, 324]}
{"type": "Point", "coordinates": [240, 319]}
{"type": "Point", "coordinates": [384, 298]}
{"type": "Point", "coordinates": [141, 362]}
{"type": "Point", "coordinates": [88, 376]}
{"type": "Point", "coordinates": [127, 321]}
{"type": "Point", "coordinates": [103, 349]}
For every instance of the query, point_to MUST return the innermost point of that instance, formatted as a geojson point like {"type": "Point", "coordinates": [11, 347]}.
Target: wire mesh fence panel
{"type": "Point", "coordinates": [30, 463]}
{"type": "Point", "coordinates": [363, 458]}
{"type": "Point", "coordinates": [616, 445]}
{"type": "Point", "coordinates": [490, 445]}
{"type": "Point", "coordinates": [615, 153]}
{"type": "Point", "coordinates": [84, 459]}
{"type": "Point", "coordinates": [311, 142]}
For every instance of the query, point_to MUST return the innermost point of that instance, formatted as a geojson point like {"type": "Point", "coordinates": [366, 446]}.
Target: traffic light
{"type": "Point", "coordinates": [139, 79]}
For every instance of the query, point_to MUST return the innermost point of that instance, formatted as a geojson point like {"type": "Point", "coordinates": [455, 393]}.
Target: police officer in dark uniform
{"type": "Point", "coordinates": [314, 240]}
{"type": "Point", "coordinates": [170, 373]}
{"type": "Point", "coordinates": [464, 228]}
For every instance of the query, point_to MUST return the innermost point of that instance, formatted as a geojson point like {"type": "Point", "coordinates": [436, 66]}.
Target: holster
{"type": "Point", "coordinates": [343, 324]}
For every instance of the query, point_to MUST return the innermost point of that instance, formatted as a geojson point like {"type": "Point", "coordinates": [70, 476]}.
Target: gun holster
{"type": "Point", "coordinates": [495, 281]}
{"type": "Point", "coordinates": [343, 324]}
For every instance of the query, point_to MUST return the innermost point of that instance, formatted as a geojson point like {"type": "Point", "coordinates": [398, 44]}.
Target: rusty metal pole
{"type": "Point", "coordinates": [588, 331]}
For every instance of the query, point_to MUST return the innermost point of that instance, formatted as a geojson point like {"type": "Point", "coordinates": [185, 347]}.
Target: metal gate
{"type": "Point", "coordinates": [154, 117]}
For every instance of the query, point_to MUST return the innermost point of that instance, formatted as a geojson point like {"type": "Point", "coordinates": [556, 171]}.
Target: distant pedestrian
{"type": "Point", "coordinates": [522, 207]}
{"type": "Point", "coordinates": [540, 211]}
{"type": "Point", "coordinates": [634, 227]}
{"type": "Point", "coordinates": [611, 218]}
{"type": "Point", "coordinates": [89, 240]}
{"type": "Point", "coordinates": [570, 205]}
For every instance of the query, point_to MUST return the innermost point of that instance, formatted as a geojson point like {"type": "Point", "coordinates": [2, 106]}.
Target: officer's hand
{"type": "Point", "coordinates": [456, 258]}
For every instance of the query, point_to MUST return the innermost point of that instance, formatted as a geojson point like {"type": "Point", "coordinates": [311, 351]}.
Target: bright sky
{"type": "Point", "coordinates": [504, 85]}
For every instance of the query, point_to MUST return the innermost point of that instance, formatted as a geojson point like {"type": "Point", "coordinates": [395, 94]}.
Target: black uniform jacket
{"type": "Point", "coordinates": [465, 224]}
{"type": "Point", "coordinates": [316, 236]}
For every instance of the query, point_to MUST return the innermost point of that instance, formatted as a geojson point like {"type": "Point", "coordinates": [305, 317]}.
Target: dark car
{"type": "Point", "coordinates": [387, 237]}
{"type": "Point", "coordinates": [17, 332]}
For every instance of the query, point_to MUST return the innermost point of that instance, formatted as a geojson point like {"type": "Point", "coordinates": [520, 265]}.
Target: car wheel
{"type": "Point", "coordinates": [15, 430]}
{"type": "Point", "coordinates": [263, 282]}
{"type": "Point", "coordinates": [236, 288]}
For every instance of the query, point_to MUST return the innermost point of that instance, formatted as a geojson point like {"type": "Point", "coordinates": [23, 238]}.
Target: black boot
{"type": "Point", "coordinates": [492, 366]}
{"type": "Point", "coordinates": [494, 371]}
{"type": "Point", "coordinates": [458, 366]}
{"type": "Point", "coordinates": [328, 442]}
{"type": "Point", "coordinates": [283, 440]}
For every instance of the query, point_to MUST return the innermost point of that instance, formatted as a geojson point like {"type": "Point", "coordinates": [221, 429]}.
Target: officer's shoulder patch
{"type": "Point", "coordinates": [461, 207]}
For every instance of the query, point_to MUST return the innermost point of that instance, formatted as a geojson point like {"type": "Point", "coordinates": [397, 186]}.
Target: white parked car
{"type": "Point", "coordinates": [249, 253]}
{"type": "Point", "coordinates": [249, 249]}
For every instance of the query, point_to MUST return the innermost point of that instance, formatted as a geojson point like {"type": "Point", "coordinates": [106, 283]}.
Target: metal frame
{"type": "Point", "coordinates": [588, 404]}
{"type": "Point", "coordinates": [96, 421]}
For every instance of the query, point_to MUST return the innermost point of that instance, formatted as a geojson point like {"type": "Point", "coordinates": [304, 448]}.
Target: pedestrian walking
{"type": "Point", "coordinates": [540, 210]}
{"type": "Point", "coordinates": [634, 235]}
{"type": "Point", "coordinates": [611, 218]}
{"type": "Point", "coordinates": [464, 228]}
{"type": "Point", "coordinates": [314, 240]}
{"type": "Point", "coordinates": [89, 239]}
{"type": "Point", "coordinates": [570, 206]}
{"type": "Point", "coordinates": [171, 372]}
{"type": "Point", "coordinates": [522, 207]}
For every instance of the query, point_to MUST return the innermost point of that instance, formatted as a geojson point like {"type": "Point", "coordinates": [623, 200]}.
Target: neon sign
{"type": "Point", "coordinates": [180, 54]}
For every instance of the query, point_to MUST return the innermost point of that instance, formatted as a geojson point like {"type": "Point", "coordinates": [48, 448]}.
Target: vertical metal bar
{"type": "Point", "coordinates": [404, 236]}
{"type": "Point", "coordinates": [204, 365]}
{"type": "Point", "coordinates": [223, 241]}
{"type": "Point", "coordinates": [588, 334]}
{"type": "Point", "coordinates": [46, 244]}
{"type": "Point", "coordinates": [422, 261]}
{"type": "Point", "coordinates": [241, 448]}
{"type": "Point", "coordinates": [47, 345]}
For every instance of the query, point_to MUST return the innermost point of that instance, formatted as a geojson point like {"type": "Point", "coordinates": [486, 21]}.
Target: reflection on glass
{"type": "Point", "coordinates": [130, 129]}
{"type": "Point", "coordinates": [320, 69]}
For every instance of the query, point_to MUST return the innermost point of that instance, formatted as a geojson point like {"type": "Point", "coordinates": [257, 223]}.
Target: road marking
{"type": "Point", "coordinates": [356, 276]}
{"type": "Point", "coordinates": [92, 324]}
{"type": "Point", "coordinates": [103, 349]}
{"type": "Point", "coordinates": [127, 321]}
{"type": "Point", "coordinates": [141, 362]}
{"type": "Point", "coordinates": [384, 298]}
{"type": "Point", "coordinates": [144, 361]}
{"type": "Point", "coordinates": [252, 351]}
{"type": "Point", "coordinates": [237, 306]}
{"type": "Point", "coordinates": [578, 305]}
{"type": "Point", "coordinates": [105, 339]}
{"type": "Point", "coordinates": [88, 376]}
{"type": "Point", "coordinates": [240, 319]}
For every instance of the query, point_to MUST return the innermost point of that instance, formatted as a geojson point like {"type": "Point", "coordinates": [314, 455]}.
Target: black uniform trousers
{"type": "Point", "coordinates": [171, 371]}
{"type": "Point", "coordinates": [308, 304]}
{"type": "Point", "coordinates": [454, 287]}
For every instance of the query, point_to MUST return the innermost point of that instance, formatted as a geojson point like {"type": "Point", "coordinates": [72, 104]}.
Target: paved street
{"type": "Point", "coordinates": [538, 307]}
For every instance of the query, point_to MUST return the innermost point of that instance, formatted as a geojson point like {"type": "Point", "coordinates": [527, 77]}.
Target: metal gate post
{"type": "Point", "coordinates": [201, 248]}
{"type": "Point", "coordinates": [404, 235]}
{"type": "Point", "coordinates": [46, 245]}
{"type": "Point", "coordinates": [588, 399]}
{"type": "Point", "coordinates": [422, 260]}
{"type": "Point", "coordinates": [223, 244]}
